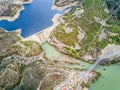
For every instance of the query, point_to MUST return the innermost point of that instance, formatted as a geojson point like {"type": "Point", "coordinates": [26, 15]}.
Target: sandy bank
{"type": "Point", "coordinates": [44, 34]}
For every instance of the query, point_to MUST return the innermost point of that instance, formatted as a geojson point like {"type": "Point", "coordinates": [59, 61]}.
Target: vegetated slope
{"type": "Point", "coordinates": [89, 27]}
{"type": "Point", "coordinates": [22, 66]}
{"type": "Point", "coordinates": [112, 6]}
{"type": "Point", "coordinates": [11, 43]}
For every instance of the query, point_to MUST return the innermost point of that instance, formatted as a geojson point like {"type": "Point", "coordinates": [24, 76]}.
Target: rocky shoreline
{"type": "Point", "coordinates": [9, 18]}
{"type": "Point", "coordinates": [54, 7]}
{"type": "Point", "coordinates": [56, 21]}
{"type": "Point", "coordinates": [45, 32]}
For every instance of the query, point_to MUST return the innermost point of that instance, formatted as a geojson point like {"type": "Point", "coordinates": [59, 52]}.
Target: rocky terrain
{"type": "Point", "coordinates": [24, 66]}
{"type": "Point", "coordinates": [88, 28]}
{"type": "Point", "coordinates": [10, 9]}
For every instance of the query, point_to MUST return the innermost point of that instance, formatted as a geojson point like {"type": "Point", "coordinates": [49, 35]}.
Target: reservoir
{"type": "Point", "coordinates": [35, 17]}
{"type": "Point", "coordinates": [38, 16]}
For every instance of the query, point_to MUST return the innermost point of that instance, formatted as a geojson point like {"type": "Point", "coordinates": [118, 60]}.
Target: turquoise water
{"type": "Point", "coordinates": [50, 52]}
{"type": "Point", "coordinates": [110, 79]}
{"type": "Point", "coordinates": [36, 16]}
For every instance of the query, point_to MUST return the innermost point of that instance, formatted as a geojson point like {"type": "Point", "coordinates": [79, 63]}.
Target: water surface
{"type": "Point", "coordinates": [50, 51]}
{"type": "Point", "coordinates": [36, 16]}
{"type": "Point", "coordinates": [110, 79]}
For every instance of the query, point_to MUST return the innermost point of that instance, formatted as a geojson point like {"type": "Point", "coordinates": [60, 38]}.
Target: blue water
{"type": "Point", "coordinates": [36, 16]}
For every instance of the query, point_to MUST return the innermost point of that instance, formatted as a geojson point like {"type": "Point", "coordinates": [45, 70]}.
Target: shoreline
{"type": "Point", "coordinates": [46, 32]}
{"type": "Point", "coordinates": [10, 19]}
{"type": "Point", "coordinates": [54, 7]}
{"type": "Point", "coordinates": [34, 36]}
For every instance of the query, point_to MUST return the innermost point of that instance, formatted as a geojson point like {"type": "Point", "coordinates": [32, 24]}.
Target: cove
{"type": "Point", "coordinates": [35, 17]}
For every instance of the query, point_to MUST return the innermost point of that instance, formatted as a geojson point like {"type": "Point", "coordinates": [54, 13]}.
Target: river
{"type": "Point", "coordinates": [109, 80]}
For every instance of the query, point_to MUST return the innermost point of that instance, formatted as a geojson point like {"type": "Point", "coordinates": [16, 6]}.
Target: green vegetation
{"type": "Point", "coordinates": [61, 3]}
{"type": "Point", "coordinates": [66, 38]}
{"type": "Point", "coordinates": [19, 38]}
{"type": "Point", "coordinates": [92, 80]}
{"type": "Point", "coordinates": [110, 62]}
{"type": "Point", "coordinates": [95, 8]}
{"type": "Point", "coordinates": [92, 27]}
{"type": "Point", "coordinates": [32, 48]}
{"type": "Point", "coordinates": [112, 6]}
{"type": "Point", "coordinates": [90, 44]}
{"type": "Point", "coordinates": [114, 29]}
{"type": "Point", "coordinates": [73, 53]}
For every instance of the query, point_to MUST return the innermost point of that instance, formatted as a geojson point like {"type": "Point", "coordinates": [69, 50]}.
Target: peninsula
{"type": "Point", "coordinates": [10, 10]}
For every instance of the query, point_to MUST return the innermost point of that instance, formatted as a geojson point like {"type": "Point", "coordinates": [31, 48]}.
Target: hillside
{"type": "Point", "coordinates": [88, 27]}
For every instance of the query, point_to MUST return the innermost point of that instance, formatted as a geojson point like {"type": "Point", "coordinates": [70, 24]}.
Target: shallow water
{"type": "Point", "coordinates": [110, 79]}
{"type": "Point", "coordinates": [50, 52]}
